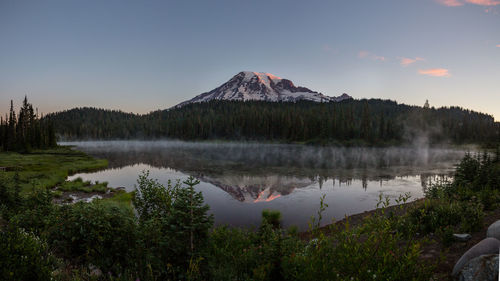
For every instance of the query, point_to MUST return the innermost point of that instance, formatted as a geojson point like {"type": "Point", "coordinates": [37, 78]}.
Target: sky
{"type": "Point", "coordinates": [140, 56]}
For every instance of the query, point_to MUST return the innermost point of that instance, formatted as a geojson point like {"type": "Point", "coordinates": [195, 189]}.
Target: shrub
{"type": "Point", "coordinates": [472, 216]}
{"type": "Point", "coordinates": [434, 214]}
{"type": "Point", "coordinates": [478, 173]}
{"type": "Point", "coordinates": [489, 198]}
{"type": "Point", "coordinates": [24, 256]}
{"type": "Point", "coordinates": [174, 228]}
{"type": "Point", "coordinates": [10, 194]}
{"type": "Point", "coordinates": [272, 217]}
{"type": "Point", "coordinates": [232, 254]}
{"type": "Point", "coordinates": [242, 254]}
{"type": "Point", "coordinates": [98, 233]}
{"type": "Point", "coordinates": [36, 211]}
{"type": "Point", "coordinates": [446, 235]}
{"type": "Point", "coordinates": [466, 170]}
{"type": "Point", "coordinates": [371, 251]}
{"type": "Point", "coordinates": [153, 199]}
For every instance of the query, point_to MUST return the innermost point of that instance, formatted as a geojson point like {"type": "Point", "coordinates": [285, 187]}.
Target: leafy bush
{"type": "Point", "coordinates": [98, 233]}
{"type": "Point", "coordinates": [446, 235]}
{"type": "Point", "coordinates": [478, 173]}
{"type": "Point", "coordinates": [174, 228]}
{"type": "Point", "coordinates": [36, 210]}
{"type": "Point", "coordinates": [240, 254]}
{"type": "Point", "coordinates": [472, 216]}
{"type": "Point", "coordinates": [371, 251]}
{"type": "Point", "coordinates": [435, 214]}
{"type": "Point", "coordinates": [460, 204]}
{"type": "Point", "coordinates": [489, 198]}
{"type": "Point", "coordinates": [152, 199]}
{"type": "Point", "coordinates": [10, 194]}
{"type": "Point", "coordinates": [23, 256]}
{"type": "Point", "coordinates": [272, 217]}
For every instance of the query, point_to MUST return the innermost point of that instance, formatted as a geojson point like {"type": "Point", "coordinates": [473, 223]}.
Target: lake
{"type": "Point", "coordinates": [239, 180]}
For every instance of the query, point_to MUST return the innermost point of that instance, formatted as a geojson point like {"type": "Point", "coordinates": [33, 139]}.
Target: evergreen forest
{"type": "Point", "coordinates": [361, 122]}
{"type": "Point", "coordinates": [25, 131]}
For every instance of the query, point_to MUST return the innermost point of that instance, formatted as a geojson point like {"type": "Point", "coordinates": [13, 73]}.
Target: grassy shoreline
{"type": "Point", "coordinates": [41, 169]}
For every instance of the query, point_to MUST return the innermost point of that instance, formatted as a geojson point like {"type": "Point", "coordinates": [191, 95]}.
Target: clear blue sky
{"type": "Point", "coordinates": [140, 56]}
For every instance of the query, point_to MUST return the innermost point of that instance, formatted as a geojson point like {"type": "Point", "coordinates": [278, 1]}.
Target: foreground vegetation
{"type": "Point", "coordinates": [171, 236]}
{"type": "Point", "coordinates": [350, 122]}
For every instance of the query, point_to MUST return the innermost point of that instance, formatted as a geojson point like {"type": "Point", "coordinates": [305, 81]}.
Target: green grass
{"type": "Point", "coordinates": [46, 168]}
{"type": "Point", "coordinates": [57, 193]}
{"type": "Point", "coordinates": [85, 186]}
{"type": "Point", "coordinates": [42, 169]}
{"type": "Point", "coordinates": [122, 198]}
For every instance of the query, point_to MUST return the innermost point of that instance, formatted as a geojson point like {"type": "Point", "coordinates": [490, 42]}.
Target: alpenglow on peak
{"type": "Point", "coordinates": [259, 86]}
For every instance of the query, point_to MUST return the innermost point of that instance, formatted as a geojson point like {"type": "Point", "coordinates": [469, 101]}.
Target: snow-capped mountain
{"type": "Point", "coordinates": [248, 85]}
{"type": "Point", "coordinates": [255, 188]}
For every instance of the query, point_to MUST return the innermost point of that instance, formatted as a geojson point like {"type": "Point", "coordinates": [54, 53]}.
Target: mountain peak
{"type": "Point", "coordinates": [261, 76]}
{"type": "Point", "coordinates": [249, 85]}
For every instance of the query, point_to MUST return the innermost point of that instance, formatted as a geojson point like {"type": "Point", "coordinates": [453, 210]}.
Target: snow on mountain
{"type": "Point", "coordinates": [247, 85]}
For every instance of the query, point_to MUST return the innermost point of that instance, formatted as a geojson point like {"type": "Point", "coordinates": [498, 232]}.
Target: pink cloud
{"type": "Point", "coordinates": [484, 2]}
{"type": "Point", "coordinates": [363, 54]}
{"type": "Point", "coordinates": [408, 61]}
{"type": "Point", "coordinates": [498, 46]}
{"type": "Point", "coordinates": [366, 54]}
{"type": "Point", "coordinates": [457, 3]}
{"type": "Point", "coordinates": [436, 72]}
{"type": "Point", "coordinates": [328, 49]}
{"type": "Point", "coordinates": [450, 3]}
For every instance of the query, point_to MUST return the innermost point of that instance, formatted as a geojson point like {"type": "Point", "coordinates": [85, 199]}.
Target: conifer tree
{"type": "Point", "coordinates": [26, 131]}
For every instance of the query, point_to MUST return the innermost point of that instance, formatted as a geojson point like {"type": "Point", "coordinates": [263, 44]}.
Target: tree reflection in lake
{"type": "Point", "coordinates": [274, 174]}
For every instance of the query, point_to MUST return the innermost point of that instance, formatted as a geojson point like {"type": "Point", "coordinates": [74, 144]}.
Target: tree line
{"type": "Point", "coordinates": [372, 121]}
{"type": "Point", "coordinates": [25, 131]}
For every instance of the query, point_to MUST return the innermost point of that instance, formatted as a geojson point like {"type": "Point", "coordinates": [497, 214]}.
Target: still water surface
{"type": "Point", "coordinates": [239, 180]}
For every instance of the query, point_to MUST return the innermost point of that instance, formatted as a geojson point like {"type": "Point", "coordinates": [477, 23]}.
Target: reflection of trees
{"type": "Point", "coordinates": [428, 179]}
{"type": "Point", "coordinates": [273, 155]}
{"type": "Point", "coordinates": [245, 171]}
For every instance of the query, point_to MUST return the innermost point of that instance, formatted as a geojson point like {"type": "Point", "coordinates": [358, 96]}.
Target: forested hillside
{"type": "Point", "coordinates": [93, 123]}
{"type": "Point", "coordinates": [371, 121]}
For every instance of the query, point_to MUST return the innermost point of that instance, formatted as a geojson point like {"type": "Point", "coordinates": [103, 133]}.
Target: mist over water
{"type": "Point", "coordinates": [299, 156]}
{"type": "Point", "coordinates": [239, 180]}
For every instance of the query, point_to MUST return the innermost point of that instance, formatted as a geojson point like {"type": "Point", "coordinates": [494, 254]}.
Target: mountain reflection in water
{"type": "Point", "coordinates": [271, 175]}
